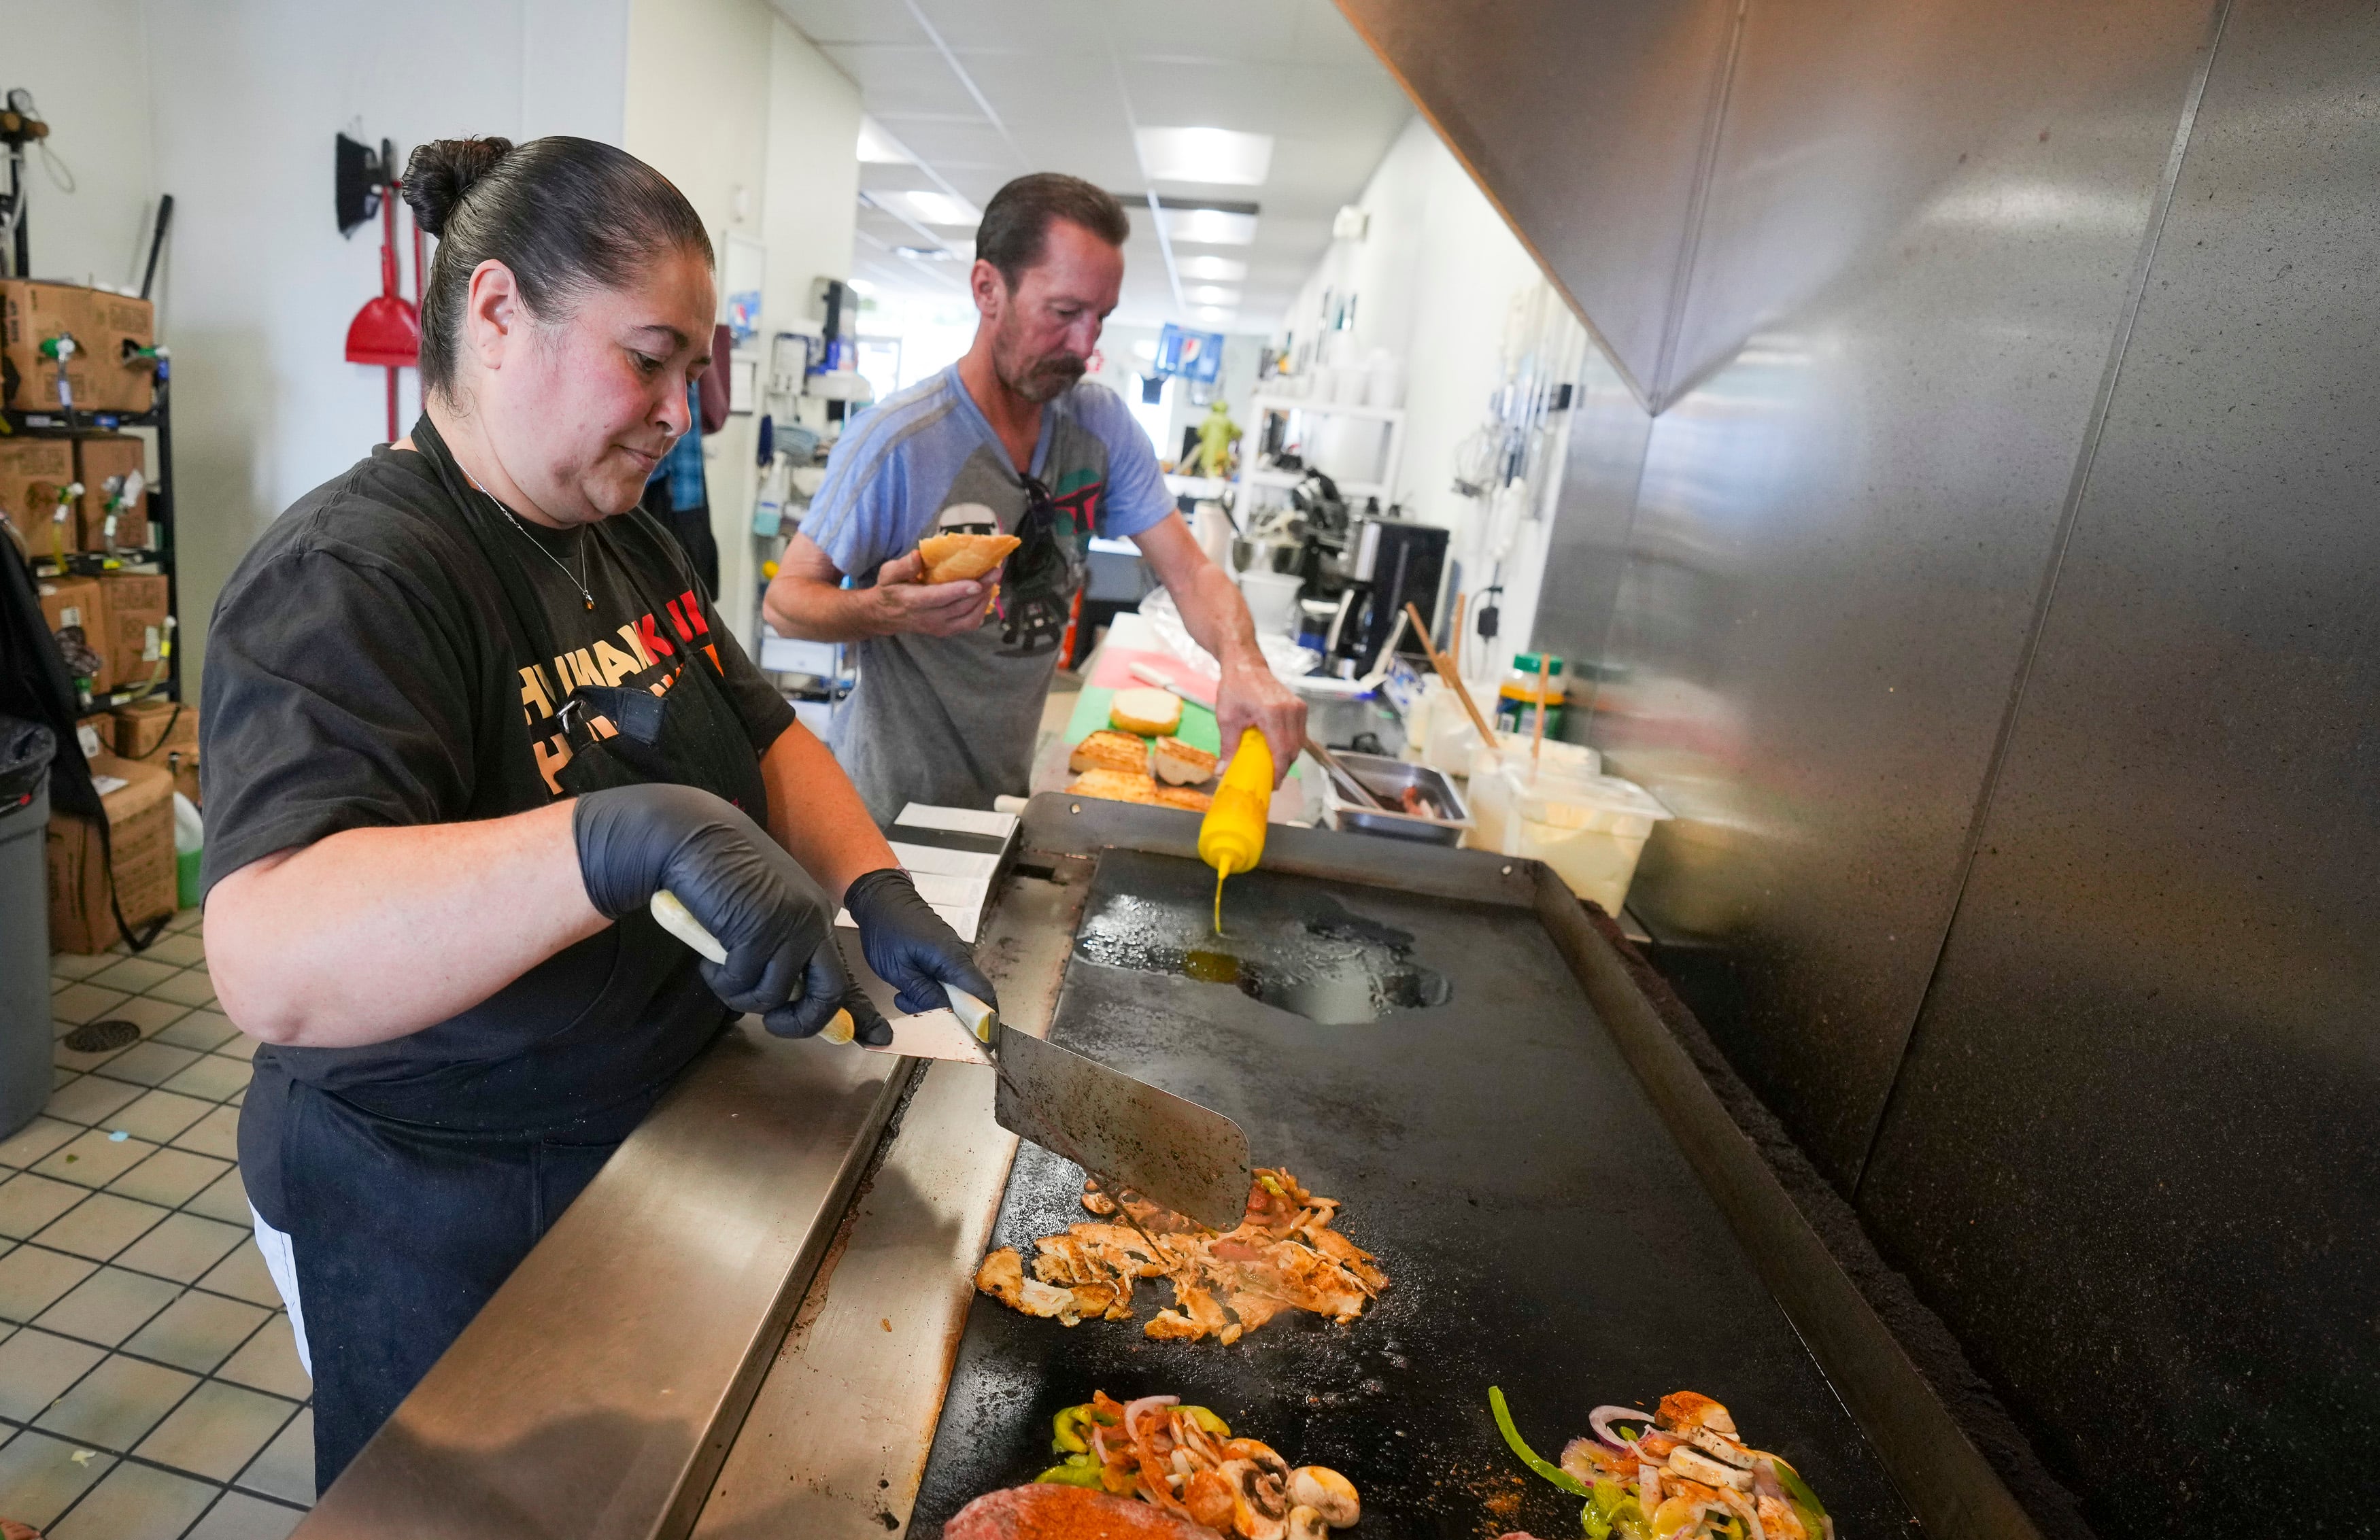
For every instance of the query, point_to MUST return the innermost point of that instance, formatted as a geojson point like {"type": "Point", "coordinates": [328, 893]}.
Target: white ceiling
{"type": "Point", "coordinates": [982, 90]}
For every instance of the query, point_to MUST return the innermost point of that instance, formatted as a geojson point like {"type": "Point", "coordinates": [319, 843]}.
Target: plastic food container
{"type": "Point", "coordinates": [1272, 599]}
{"type": "Point", "coordinates": [1477, 760]}
{"type": "Point", "coordinates": [1388, 780]}
{"type": "Point", "coordinates": [1590, 829]}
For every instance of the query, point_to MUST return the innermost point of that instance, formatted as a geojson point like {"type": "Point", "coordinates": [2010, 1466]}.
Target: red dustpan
{"type": "Point", "coordinates": [387, 331]}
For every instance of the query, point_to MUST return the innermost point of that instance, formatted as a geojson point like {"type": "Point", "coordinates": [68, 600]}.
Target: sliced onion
{"type": "Point", "coordinates": [1602, 1417]}
{"type": "Point", "coordinates": [1099, 1445]}
{"type": "Point", "coordinates": [1132, 1410]}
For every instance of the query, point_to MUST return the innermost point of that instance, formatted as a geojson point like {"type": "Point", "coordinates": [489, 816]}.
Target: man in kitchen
{"type": "Point", "coordinates": [1010, 439]}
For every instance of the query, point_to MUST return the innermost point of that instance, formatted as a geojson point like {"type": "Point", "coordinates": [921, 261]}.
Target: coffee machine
{"type": "Point", "coordinates": [1389, 564]}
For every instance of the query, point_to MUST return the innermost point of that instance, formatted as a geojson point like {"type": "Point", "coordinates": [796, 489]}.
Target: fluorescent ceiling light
{"type": "Point", "coordinates": [1208, 227]}
{"type": "Point", "coordinates": [879, 147]}
{"type": "Point", "coordinates": [1213, 314]}
{"type": "Point", "coordinates": [1224, 268]}
{"type": "Point", "coordinates": [941, 208]}
{"type": "Point", "coordinates": [1215, 155]}
{"type": "Point", "coordinates": [925, 253]}
{"type": "Point", "coordinates": [1209, 293]}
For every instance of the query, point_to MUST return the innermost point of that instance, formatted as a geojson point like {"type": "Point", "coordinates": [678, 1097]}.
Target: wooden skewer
{"type": "Point", "coordinates": [1454, 644]}
{"type": "Point", "coordinates": [1446, 671]}
{"type": "Point", "coordinates": [1538, 735]}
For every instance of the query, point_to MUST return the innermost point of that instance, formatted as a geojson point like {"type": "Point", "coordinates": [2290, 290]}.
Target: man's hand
{"type": "Point", "coordinates": [1251, 695]}
{"type": "Point", "coordinates": [901, 603]}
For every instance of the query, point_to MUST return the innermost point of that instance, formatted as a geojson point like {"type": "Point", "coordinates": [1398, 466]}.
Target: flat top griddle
{"type": "Point", "coordinates": [1539, 1229]}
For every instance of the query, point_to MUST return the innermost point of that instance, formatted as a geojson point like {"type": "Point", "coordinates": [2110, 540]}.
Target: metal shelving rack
{"type": "Point", "coordinates": [158, 558]}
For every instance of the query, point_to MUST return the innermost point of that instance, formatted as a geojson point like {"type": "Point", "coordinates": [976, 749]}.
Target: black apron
{"type": "Point", "coordinates": [410, 1200]}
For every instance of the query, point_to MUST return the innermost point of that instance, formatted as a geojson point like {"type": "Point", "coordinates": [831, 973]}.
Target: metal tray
{"type": "Point", "coordinates": [1387, 779]}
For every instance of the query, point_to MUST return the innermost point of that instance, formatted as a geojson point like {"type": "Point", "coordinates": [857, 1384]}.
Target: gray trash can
{"type": "Point", "coordinates": [25, 751]}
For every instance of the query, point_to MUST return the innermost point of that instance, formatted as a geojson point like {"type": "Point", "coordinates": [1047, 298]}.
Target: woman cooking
{"type": "Point", "coordinates": [466, 712]}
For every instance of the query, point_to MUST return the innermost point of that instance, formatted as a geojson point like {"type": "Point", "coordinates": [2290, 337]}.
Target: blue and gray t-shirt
{"type": "Point", "coordinates": [951, 721]}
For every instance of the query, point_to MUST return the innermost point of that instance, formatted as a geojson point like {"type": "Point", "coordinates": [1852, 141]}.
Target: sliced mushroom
{"type": "Point", "coordinates": [1260, 1499]}
{"type": "Point", "coordinates": [1326, 1491]}
{"type": "Point", "coordinates": [1307, 1524]}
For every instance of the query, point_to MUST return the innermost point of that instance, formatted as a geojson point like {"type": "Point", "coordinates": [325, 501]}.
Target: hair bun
{"type": "Point", "coordinates": [438, 173]}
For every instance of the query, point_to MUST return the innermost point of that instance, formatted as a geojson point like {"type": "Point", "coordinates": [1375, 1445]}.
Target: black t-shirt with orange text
{"type": "Point", "coordinates": [359, 673]}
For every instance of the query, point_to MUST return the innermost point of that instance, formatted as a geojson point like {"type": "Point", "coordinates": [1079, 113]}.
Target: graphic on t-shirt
{"type": "Point", "coordinates": [647, 654]}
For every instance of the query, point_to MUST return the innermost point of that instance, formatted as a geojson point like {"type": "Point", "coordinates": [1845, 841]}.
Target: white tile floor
{"type": "Point", "coordinates": [149, 1386]}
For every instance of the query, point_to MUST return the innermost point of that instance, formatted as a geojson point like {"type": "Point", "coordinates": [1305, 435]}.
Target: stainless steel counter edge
{"type": "Point", "coordinates": [1948, 1482]}
{"type": "Point", "coordinates": [835, 1442]}
{"type": "Point", "coordinates": [595, 1395]}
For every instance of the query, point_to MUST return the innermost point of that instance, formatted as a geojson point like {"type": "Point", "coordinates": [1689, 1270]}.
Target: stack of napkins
{"type": "Point", "coordinates": [951, 854]}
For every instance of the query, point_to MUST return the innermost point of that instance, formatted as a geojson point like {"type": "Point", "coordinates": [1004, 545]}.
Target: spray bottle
{"type": "Point", "coordinates": [1232, 834]}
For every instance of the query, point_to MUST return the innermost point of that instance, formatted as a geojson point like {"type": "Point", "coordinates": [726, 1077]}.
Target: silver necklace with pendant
{"type": "Point", "coordinates": [577, 579]}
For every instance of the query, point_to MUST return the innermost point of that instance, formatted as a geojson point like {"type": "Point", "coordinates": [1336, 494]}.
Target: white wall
{"type": "Point", "coordinates": [86, 63]}
{"type": "Point", "coordinates": [244, 101]}
{"type": "Point", "coordinates": [1435, 278]}
{"type": "Point", "coordinates": [232, 106]}
{"type": "Point", "coordinates": [761, 133]}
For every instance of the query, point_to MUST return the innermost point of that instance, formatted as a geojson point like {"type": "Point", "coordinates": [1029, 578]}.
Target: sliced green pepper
{"type": "Point", "coordinates": [1552, 1472]}
{"type": "Point", "coordinates": [1795, 1487]}
{"type": "Point", "coordinates": [1597, 1527]}
{"type": "Point", "coordinates": [1081, 1471]}
{"type": "Point", "coordinates": [1067, 1429]}
{"type": "Point", "coordinates": [1208, 1421]}
{"type": "Point", "coordinates": [1620, 1510]}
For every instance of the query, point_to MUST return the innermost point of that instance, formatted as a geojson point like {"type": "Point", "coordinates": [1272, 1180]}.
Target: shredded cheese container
{"type": "Point", "coordinates": [1590, 829]}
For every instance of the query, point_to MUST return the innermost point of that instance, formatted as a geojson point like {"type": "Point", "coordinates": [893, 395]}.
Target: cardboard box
{"type": "Point", "coordinates": [139, 800]}
{"type": "Point", "coordinates": [149, 730]}
{"type": "Point", "coordinates": [31, 470]}
{"type": "Point", "coordinates": [101, 459]}
{"type": "Point", "coordinates": [31, 312]}
{"type": "Point", "coordinates": [136, 605]}
{"type": "Point", "coordinates": [79, 604]}
{"type": "Point", "coordinates": [117, 383]}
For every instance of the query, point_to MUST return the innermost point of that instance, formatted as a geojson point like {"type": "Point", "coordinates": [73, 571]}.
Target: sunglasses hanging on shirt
{"type": "Point", "coordinates": [1042, 575]}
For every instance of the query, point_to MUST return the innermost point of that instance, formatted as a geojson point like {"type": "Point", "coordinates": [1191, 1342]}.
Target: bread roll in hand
{"type": "Point", "coordinates": [958, 558]}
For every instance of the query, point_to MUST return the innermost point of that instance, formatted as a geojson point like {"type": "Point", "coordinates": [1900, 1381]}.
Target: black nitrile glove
{"type": "Point", "coordinates": [908, 945]}
{"type": "Point", "coordinates": [775, 922]}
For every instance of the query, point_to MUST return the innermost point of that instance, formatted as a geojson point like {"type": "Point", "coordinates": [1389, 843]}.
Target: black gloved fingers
{"type": "Point", "coordinates": [911, 947]}
{"type": "Point", "coordinates": [780, 980]}
{"type": "Point", "coordinates": [931, 991]}
{"type": "Point", "coordinates": [867, 1023]}
{"type": "Point", "coordinates": [824, 984]}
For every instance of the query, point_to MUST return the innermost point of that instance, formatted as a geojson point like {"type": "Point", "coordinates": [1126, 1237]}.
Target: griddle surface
{"type": "Point", "coordinates": [1539, 1228]}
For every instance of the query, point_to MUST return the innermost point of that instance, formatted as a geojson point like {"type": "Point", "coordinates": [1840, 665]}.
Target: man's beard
{"type": "Point", "coordinates": [1044, 378]}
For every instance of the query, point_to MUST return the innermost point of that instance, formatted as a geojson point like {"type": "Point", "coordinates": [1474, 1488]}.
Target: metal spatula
{"type": "Point", "coordinates": [1126, 1131]}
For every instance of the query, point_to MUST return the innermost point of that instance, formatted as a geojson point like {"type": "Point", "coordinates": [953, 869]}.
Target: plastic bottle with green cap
{"type": "Point", "coordinates": [1516, 699]}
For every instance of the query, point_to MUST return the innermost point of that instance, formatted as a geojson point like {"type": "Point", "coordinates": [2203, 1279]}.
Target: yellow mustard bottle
{"type": "Point", "coordinates": [1232, 834]}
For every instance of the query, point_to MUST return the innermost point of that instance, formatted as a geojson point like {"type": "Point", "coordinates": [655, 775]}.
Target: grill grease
{"type": "Point", "coordinates": [1301, 950]}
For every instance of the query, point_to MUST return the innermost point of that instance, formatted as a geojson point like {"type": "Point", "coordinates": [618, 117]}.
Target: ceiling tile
{"type": "Point", "coordinates": [830, 22]}
{"type": "Point", "coordinates": [895, 80]}
{"type": "Point", "coordinates": [1292, 68]}
{"type": "Point", "coordinates": [944, 144]}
